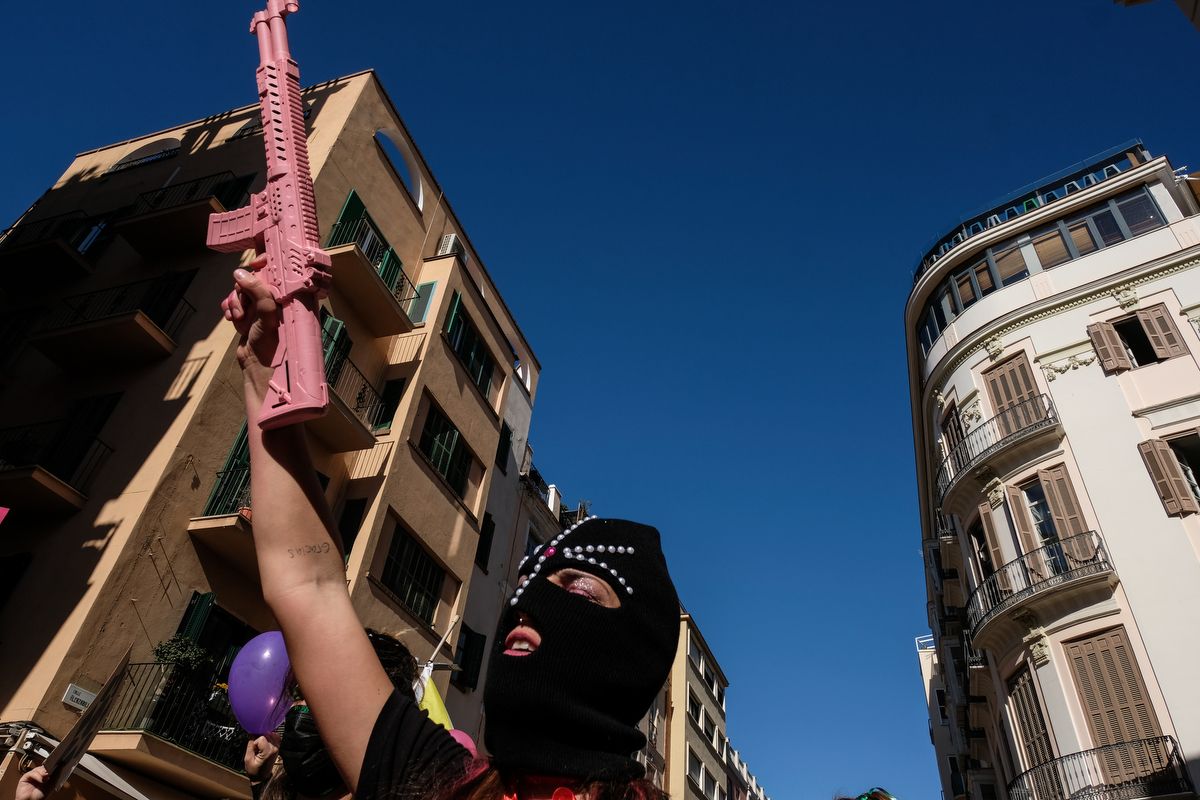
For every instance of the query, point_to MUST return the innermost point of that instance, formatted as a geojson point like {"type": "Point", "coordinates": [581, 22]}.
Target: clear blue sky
{"type": "Point", "coordinates": [705, 216]}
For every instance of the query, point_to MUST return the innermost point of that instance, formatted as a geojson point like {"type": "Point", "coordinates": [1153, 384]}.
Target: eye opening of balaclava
{"type": "Point", "coordinates": [571, 707]}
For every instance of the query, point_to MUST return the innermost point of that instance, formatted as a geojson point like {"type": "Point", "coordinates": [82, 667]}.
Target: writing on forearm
{"type": "Point", "coordinates": [315, 549]}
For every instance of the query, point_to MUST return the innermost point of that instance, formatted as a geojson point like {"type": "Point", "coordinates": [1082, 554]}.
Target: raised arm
{"type": "Point", "coordinates": [299, 560]}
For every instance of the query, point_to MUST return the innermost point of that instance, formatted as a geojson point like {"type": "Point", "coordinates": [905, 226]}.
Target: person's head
{"type": "Point", "coordinates": [581, 651]}
{"type": "Point", "coordinates": [307, 767]}
{"type": "Point", "coordinates": [875, 793]}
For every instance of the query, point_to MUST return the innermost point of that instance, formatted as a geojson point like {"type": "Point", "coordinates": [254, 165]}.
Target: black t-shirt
{"type": "Point", "coordinates": [408, 755]}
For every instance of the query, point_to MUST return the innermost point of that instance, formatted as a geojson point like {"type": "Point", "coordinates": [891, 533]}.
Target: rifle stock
{"type": "Point", "coordinates": [281, 221]}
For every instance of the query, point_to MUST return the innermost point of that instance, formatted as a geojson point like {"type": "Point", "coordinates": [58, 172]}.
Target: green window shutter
{"type": "Point", "coordinates": [232, 489]}
{"type": "Point", "coordinates": [418, 307]}
{"type": "Point", "coordinates": [343, 231]}
{"type": "Point", "coordinates": [196, 615]}
{"type": "Point", "coordinates": [453, 317]}
{"type": "Point", "coordinates": [337, 345]}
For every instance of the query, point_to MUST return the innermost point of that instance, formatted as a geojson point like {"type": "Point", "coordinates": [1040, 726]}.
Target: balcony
{"type": "Point", "coordinates": [224, 529]}
{"type": "Point", "coordinates": [1034, 577]}
{"type": "Point", "coordinates": [355, 407]}
{"type": "Point", "coordinates": [1016, 424]}
{"type": "Point", "coordinates": [1123, 771]}
{"type": "Point", "coordinates": [122, 325]}
{"type": "Point", "coordinates": [47, 468]}
{"type": "Point", "coordinates": [176, 217]}
{"type": "Point", "coordinates": [368, 273]}
{"type": "Point", "coordinates": [52, 250]}
{"type": "Point", "coordinates": [176, 727]}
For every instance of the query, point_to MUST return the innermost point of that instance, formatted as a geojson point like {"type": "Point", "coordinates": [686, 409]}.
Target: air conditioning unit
{"type": "Point", "coordinates": [452, 245]}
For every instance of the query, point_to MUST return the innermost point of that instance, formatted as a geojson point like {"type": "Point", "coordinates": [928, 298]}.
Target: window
{"type": "Point", "coordinates": [1049, 524]}
{"type": "Point", "coordinates": [483, 551]}
{"type": "Point", "coordinates": [349, 522]}
{"type": "Point", "coordinates": [467, 343]}
{"type": "Point", "coordinates": [504, 447]}
{"type": "Point", "coordinates": [693, 766]}
{"type": "Point", "coordinates": [1139, 213]}
{"type": "Point", "coordinates": [710, 785]}
{"type": "Point", "coordinates": [1010, 265]}
{"type": "Point", "coordinates": [468, 655]}
{"type": "Point", "coordinates": [392, 394]}
{"type": "Point", "coordinates": [710, 730]}
{"type": "Point", "coordinates": [1035, 739]}
{"type": "Point", "coordinates": [940, 695]}
{"type": "Point", "coordinates": [695, 710]}
{"type": "Point", "coordinates": [418, 306]}
{"type": "Point", "coordinates": [531, 542]}
{"type": "Point", "coordinates": [442, 444]}
{"type": "Point", "coordinates": [1173, 466]}
{"type": "Point", "coordinates": [1137, 340]}
{"type": "Point", "coordinates": [1051, 248]}
{"type": "Point", "coordinates": [335, 340]}
{"type": "Point", "coordinates": [412, 576]}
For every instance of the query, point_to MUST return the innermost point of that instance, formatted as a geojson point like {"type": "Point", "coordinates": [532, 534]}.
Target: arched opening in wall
{"type": "Point", "coordinates": [157, 150]}
{"type": "Point", "coordinates": [399, 156]}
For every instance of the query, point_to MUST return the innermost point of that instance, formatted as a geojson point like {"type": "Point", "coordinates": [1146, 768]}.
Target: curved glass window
{"type": "Point", "coordinates": [1103, 225]}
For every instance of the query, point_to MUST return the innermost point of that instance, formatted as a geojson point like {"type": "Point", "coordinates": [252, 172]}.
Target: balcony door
{"type": "Point", "coordinates": [1035, 738]}
{"type": "Point", "coordinates": [1120, 716]}
{"type": "Point", "coordinates": [1013, 392]}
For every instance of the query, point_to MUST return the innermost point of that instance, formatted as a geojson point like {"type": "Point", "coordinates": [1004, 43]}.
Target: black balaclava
{"type": "Point", "coordinates": [306, 763]}
{"type": "Point", "coordinates": [571, 707]}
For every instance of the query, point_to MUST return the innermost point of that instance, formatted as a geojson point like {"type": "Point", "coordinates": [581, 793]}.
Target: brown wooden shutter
{"type": "Point", "coordinates": [1068, 520]}
{"type": "Point", "coordinates": [1021, 520]}
{"type": "Point", "coordinates": [1164, 338]}
{"type": "Point", "coordinates": [1109, 347]}
{"type": "Point", "coordinates": [1011, 386]}
{"type": "Point", "coordinates": [1115, 702]}
{"type": "Point", "coordinates": [1168, 478]}
{"type": "Point", "coordinates": [1035, 739]}
{"type": "Point", "coordinates": [993, 546]}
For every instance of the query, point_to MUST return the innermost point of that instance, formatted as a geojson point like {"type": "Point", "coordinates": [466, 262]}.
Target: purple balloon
{"type": "Point", "coordinates": [259, 679]}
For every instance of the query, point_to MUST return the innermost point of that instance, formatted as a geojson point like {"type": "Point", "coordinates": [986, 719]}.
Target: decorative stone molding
{"type": "Point", "coordinates": [1039, 646]}
{"type": "Point", "coordinates": [994, 489]}
{"type": "Point", "coordinates": [1062, 367]}
{"type": "Point", "coordinates": [1126, 296]}
{"type": "Point", "coordinates": [971, 414]}
{"type": "Point", "coordinates": [994, 346]}
{"type": "Point", "coordinates": [939, 399]}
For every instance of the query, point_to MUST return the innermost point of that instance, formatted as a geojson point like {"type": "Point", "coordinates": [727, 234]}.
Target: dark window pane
{"type": "Point", "coordinates": [1081, 236]}
{"type": "Point", "coordinates": [983, 277]}
{"type": "Point", "coordinates": [443, 446]}
{"type": "Point", "coordinates": [1110, 232]}
{"type": "Point", "coordinates": [966, 292]}
{"type": "Point", "coordinates": [1140, 214]}
{"type": "Point", "coordinates": [412, 576]}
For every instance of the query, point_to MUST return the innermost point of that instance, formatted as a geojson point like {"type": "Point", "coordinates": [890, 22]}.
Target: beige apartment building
{"type": "Point", "coordinates": [123, 458]}
{"type": "Point", "coordinates": [1054, 366]}
{"type": "Point", "coordinates": [688, 749]}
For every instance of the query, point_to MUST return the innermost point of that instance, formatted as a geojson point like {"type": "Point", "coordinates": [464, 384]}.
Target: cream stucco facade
{"type": "Point", "coordinates": [1054, 364]}
{"type": "Point", "coordinates": [121, 458]}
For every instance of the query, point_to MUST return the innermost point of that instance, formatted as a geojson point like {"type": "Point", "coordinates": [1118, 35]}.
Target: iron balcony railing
{"type": "Point", "coordinates": [182, 707]}
{"type": "Point", "coordinates": [160, 299]}
{"type": "Point", "coordinates": [365, 234]}
{"type": "Point", "coordinates": [231, 493]}
{"type": "Point", "coordinates": [228, 189]}
{"type": "Point", "coordinates": [352, 386]}
{"type": "Point", "coordinates": [1122, 771]}
{"type": "Point", "coordinates": [536, 482]}
{"type": "Point", "coordinates": [71, 455]}
{"type": "Point", "coordinates": [1052, 565]}
{"type": "Point", "coordinates": [71, 227]}
{"type": "Point", "coordinates": [1011, 425]}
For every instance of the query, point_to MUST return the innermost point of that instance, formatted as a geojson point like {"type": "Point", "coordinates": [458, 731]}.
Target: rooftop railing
{"type": "Point", "coordinates": [160, 299]}
{"type": "Point", "coordinates": [1123, 771]}
{"type": "Point", "coordinates": [366, 235]}
{"type": "Point", "coordinates": [228, 189]}
{"type": "Point", "coordinates": [1009, 426]}
{"type": "Point", "coordinates": [72, 456]}
{"type": "Point", "coordinates": [1045, 568]}
{"type": "Point", "coordinates": [184, 708]}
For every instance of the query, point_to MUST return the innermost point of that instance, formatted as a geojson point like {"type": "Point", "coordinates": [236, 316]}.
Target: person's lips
{"type": "Point", "coordinates": [521, 641]}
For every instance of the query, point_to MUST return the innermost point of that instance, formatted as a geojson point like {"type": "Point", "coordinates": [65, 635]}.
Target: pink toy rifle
{"type": "Point", "coordinates": [281, 221]}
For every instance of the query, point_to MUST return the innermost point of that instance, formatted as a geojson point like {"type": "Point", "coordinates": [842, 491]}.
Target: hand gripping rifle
{"type": "Point", "coordinates": [281, 221]}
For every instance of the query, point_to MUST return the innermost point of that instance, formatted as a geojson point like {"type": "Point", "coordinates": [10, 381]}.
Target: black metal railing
{"type": "Point", "coordinates": [1123, 771]}
{"type": "Point", "coordinates": [352, 386]}
{"type": "Point", "coordinates": [1049, 566]}
{"type": "Point", "coordinates": [71, 455]}
{"type": "Point", "coordinates": [71, 227]}
{"type": "Point", "coordinates": [364, 233]}
{"type": "Point", "coordinates": [160, 299]}
{"type": "Point", "coordinates": [1010, 425]}
{"type": "Point", "coordinates": [182, 707]}
{"type": "Point", "coordinates": [231, 493]}
{"type": "Point", "coordinates": [227, 188]}
{"type": "Point", "coordinates": [537, 483]}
